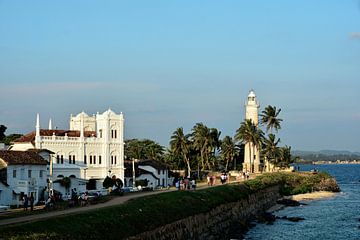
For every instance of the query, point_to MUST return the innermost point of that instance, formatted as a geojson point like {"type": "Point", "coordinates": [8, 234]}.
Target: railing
{"type": "Point", "coordinates": [59, 138]}
{"type": "Point", "coordinates": [22, 183]}
{"type": "Point", "coordinates": [46, 138]}
{"type": "Point", "coordinates": [73, 138]}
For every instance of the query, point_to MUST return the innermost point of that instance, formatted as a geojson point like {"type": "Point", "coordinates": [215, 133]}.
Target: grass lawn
{"type": "Point", "coordinates": [146, 213]}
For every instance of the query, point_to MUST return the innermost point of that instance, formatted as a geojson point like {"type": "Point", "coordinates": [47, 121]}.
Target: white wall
{"type": "Point", "coordinates": [163, 176]}
{"type": "Point", "coordinates": [22, 182]}
{"type": "Point", "coordinates": [5, 195]}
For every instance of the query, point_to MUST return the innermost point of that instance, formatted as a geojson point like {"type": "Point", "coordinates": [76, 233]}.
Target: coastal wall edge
{"type": "Point", "coordinates": [217, 223]}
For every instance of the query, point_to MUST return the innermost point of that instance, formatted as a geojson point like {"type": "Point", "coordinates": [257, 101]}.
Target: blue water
{"type": "Point", "coordinates": [333, 218]}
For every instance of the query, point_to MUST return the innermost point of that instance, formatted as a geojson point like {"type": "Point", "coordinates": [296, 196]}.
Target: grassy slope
{"type": "Point", "coordinates": [146, 213]}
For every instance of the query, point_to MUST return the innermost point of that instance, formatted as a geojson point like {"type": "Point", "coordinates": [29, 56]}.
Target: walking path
{"type": "Point", "coordinates": [112, 202]}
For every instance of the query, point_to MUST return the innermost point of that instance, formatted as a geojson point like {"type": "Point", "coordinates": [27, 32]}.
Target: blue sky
{"type": "Point", "coordinates": [167, 64]}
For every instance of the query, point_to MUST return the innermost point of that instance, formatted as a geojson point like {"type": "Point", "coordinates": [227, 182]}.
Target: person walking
{"type": "Point", "coordinates": [31, 202]}
{"type": "Point", "coordinates": [26, 202]}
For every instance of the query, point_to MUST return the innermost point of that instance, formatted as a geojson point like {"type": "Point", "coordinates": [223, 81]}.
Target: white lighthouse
{"type": "Point", "coordinates": [252, 113]}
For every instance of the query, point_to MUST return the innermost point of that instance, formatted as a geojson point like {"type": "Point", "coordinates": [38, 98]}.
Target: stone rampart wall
{"type": "Point", "coordinates": [217, 223]}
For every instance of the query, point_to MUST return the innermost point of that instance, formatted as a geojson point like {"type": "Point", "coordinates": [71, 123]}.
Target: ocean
{"type": "Point", "coordinates": [333, 218]}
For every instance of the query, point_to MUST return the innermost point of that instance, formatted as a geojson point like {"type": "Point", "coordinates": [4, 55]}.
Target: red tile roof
{"type": "Point", "coordinates": [22, 158]}
{"type": "Point", "coordinates": [40, 150]}
{"type": "Point", "coordinates": [30, 137]}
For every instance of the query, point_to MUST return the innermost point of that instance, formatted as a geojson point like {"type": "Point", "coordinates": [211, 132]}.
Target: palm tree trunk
{"type": "Point", "coordinates": [207, 161]}
{"type": "Point", "coordinates": [202, 160]}
{"type": "Point", "coordinates": [254, 157]}
{"type": "Point", "coordinates": [250, 156]}
{"type": "Point", "coordinates": [188, 166]}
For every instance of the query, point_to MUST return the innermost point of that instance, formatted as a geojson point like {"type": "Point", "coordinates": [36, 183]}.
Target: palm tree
{"type": "Point", "coordinates": [228, 150]}
{"type": "Point", "coordinates": [269, 117]}
{"type": "Point", "coordinates": [249, 133]}
{"type": "Point", "coordinates": [179, 144]}
{"type": "Point", "coordinates": [143, 149]}
{"type": "Point", "coordinates": [174, 160]}
{"type": "Point", "coordinates": [271, 150]}
{"type": "Point", "coordinates": [201, 141]}
{"type": "Point", "coordinates": [153, 150]}
{"type": "Point", "coordinates": [214, 144]}
{"type": "Point", "coordinates": [285, 156]}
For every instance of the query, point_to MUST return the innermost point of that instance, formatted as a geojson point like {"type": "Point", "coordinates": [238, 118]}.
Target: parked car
{"type": "Point", "coordinates": [4, 208]}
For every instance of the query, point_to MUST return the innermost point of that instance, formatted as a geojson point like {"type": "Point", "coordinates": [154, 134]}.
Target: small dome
{"type": "Point", "coordinates": [109, 112]}
{"type": "Point", "coordinates": [83, 114]}
{"type": "Point", "coordinates": [251, 93]}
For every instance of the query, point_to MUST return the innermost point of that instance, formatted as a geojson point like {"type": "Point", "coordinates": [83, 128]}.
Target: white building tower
{"type": "Point", "coordinates": [90, 151]}
{"type": "Point", "coordinates": [252, 113]}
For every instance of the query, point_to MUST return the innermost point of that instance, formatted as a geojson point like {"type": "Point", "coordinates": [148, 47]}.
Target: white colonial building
{"type": "Point", "coordinates": [92, 149]}
{"type": "Point", "coordinates": [252, 112]}
{"type": "Point", "coordinates": [22, 173]}
{"type": "Point", "coordinates": [154, 172]}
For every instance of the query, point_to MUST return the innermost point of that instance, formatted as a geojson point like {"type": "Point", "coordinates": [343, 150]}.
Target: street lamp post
{"type": "Point", "coordinates": [133, 172]}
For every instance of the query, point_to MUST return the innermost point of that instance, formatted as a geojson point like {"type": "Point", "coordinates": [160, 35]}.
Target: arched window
{"type": "Point", "coordinates": [113, 131]}
{"type": "Point", "coordinates": [59, 158]}
{"type": "Point", "coordinates": [113, 157]}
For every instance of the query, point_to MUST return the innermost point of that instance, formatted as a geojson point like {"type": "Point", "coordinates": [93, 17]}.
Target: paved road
{"type": "Point", "coordinates": [112, 202]}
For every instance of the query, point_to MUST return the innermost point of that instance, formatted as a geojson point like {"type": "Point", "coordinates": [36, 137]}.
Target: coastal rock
{"type": "Point", "coordinates": [288, 202]}
{"type": "Point", "coordinates": [266, 217]}
{"type": "Point", "coordinates": [292, 219]}
{"type": "Point", "coordinates": [328, 184]}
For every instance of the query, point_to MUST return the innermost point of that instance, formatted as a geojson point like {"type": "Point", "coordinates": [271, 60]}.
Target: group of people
{"type": "Point", "coordinates": [28, 201]}
{"type": "Point", "coordinates": [185, 184]}
{"type": "Point", "coordinates": [50, 202]}
{"type": "Point", "coordinates": [75, 199]}
{"type": "Point", "coordinates": [211, 180]}
{"type": "Point", "coordinates": [223, 178]}
{"type": "Point", "coordinates": [246, 175]}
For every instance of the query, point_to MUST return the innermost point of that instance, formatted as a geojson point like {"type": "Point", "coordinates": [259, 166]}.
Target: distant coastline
{"type": "Point", "coordinates": [337, 162]}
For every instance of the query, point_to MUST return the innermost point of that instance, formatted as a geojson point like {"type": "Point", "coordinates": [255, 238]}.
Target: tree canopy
{"type": "Point", "coordinates": [143, 149]}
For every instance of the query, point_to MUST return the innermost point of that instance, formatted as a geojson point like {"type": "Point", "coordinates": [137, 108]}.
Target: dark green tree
{"type": "Point", "coordinates": [285, 157]}
{"type": "Point", "coordinates": [143, 149]}
{"type": "Point", "coordinates": [271, 150]}
{"type": "Point", "coordinates": [2, 132]}
{"type": "Point", "coordinates": [10, 138]}
{"type": "Point", "coordinates": [269, 117]}
{"type": "Point", "coordinates": [228, 150]}
{"type": "Point", "coordinates": [180, 146]}
{"type": "Point", "coordinates": [108, 182]}
{"type": "Point", "coordinates": [65, 182]}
